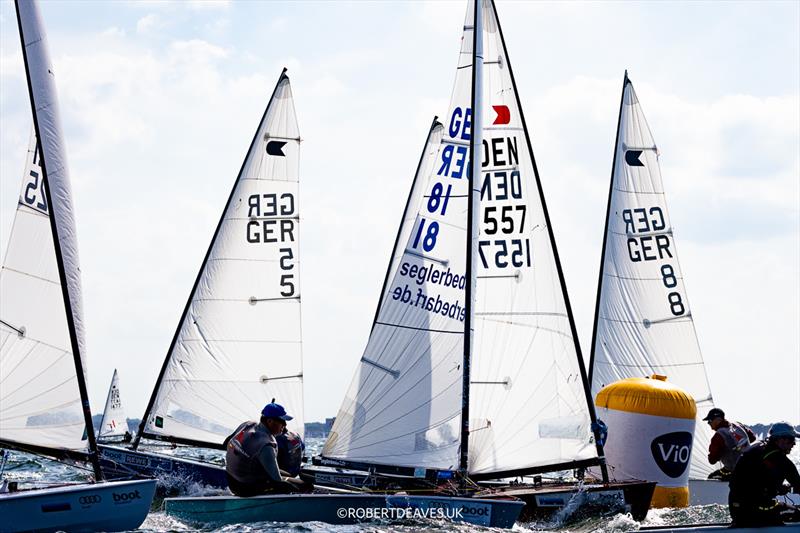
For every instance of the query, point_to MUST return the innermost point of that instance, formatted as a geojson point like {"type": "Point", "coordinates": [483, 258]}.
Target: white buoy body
{"type": "Point", "coordinates": [651, 426]}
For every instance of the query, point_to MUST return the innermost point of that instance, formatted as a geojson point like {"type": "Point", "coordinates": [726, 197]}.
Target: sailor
{"type": "Point", "coordinates": [251, 460]}
{"type": "Point", "coordinates": [730, 441]}
{"type": "Point", "coordinates": [290, 452]}
{"type": "Point", "coordinates": [758, 478]}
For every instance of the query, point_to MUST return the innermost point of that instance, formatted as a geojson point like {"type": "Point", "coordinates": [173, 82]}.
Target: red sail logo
{"type": "Point", "coordinates": [503, 114]}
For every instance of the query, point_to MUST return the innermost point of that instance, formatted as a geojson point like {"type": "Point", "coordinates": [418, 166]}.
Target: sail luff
{"type": "Point", "coordinates": [56, 185]}
{"type": "Point", "coordinates": [142, 425]}
{"type": "Point", "coordinates": [556, 257]}
{"type": "Point", "coordinates": [605, 231]}
{"type": "Point", "coordinates": [475, 147]}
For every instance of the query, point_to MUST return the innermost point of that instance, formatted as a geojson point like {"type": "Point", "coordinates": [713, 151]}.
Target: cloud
{"type": "Point", "coordinates": [148, 23]}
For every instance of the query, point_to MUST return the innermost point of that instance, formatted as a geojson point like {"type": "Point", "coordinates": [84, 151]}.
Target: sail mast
{"type": "Point", "coordinates": [476, 152]}
{"type": "Point", "coordinates": [562, 282]}
{"type": "Point", "coordinates": [76, 352]}
{"type": "Point", "coordinates": [625, 82]}
{"type": "Point", "coordinates": [165, 365]}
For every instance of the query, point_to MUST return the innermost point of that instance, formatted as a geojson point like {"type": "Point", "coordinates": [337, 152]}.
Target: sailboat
{"type": "Point", "coordinates": [114, 423]}
{"type": "Point", "coordinates": [44, 406]}
{"type": "Point", "coordinates": [238, 342]}
{"type": "Point", "coordinates": [643, 321]}
{"type": "Point", "coordinates": [472, 370]}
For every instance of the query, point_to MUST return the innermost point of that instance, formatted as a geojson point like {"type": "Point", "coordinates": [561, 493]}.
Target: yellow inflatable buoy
{"type": "Point", "coordinates": [650, 431]}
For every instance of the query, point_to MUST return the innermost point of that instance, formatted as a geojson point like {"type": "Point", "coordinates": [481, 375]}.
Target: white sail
{"type": "Point", "coordinates": [404, 405]}
{"type": "Point", "coordinates": [528, 404]}
{"type": "Point", "coordinates": [238, 345]}
{"type": "Point", "coordinates": [114, 423]}
{"type": "Point", "coordinates": [644, 323]}
{"type": "Point", "coordinates": [40, 397]}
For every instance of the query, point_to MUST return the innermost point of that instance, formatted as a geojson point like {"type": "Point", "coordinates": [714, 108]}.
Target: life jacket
{"type": "Point", "coordinates": [290, 452]}
{"type": "Point", "coordinates": [241, 456]}
{"type": "Point", "coordinates": [736, 443]}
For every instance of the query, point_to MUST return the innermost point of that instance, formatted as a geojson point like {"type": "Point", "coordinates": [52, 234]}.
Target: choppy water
{"type": "Point", "coordinates": [30, 470]}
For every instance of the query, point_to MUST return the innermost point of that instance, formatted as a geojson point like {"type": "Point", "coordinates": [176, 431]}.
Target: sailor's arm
{"type": "Point", "coordinates": [716, 448]}
{"type": "Point", "coordinates": [268, 457]}
{"type": "Point", "coordinates": [792, 476]}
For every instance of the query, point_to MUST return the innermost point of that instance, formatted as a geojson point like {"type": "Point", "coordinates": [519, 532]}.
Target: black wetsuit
{"type": "Point", "coordinates": [756, 481]}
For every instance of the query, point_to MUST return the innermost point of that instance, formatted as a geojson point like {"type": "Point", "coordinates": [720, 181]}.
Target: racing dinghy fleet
{"type": "Point", "coordinates": [472, 386]}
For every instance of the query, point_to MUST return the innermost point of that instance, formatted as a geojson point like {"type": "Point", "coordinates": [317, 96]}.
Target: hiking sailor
{"type": "Point", "coordinates": [730, 441]}
{"type": "Point", "coordinates": [758, 478]}
{"type": "Point", "coordinates": [251, 460]}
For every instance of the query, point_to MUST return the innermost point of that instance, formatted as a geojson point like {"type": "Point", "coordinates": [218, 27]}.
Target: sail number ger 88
{"type": "Point", "coordinates": [643, 245]}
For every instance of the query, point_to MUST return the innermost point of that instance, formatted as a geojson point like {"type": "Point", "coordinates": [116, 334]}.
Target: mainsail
{"type": "Point", "coordinates": [238, 343]}
{"type": "Point", "coordinates": [114, 423]}
{"type": "Point", "coordinates": [643, 322]}
{"type": "Point", "coordinates": [528, 404]}
{"type": "Point", "coordinates": [43, 399]}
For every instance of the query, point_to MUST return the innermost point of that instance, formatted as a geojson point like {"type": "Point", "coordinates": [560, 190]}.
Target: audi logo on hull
{"type": "Point", "coordinates": [90, 499]}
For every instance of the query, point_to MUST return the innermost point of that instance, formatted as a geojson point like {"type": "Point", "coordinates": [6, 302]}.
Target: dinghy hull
{"type": "Point", "coordinates": [119, 463]}
{"type": "Point", "coordinates": [342, 509]}
{"type": "Point", "coordinates": [109, 506]}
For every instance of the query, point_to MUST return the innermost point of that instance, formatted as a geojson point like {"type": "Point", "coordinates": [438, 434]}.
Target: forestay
{"type": "Point", "coordinates": [114, 423]}
{"type": "Point", "coordinates": [238, 344]}
{"type": "Point", "coordinates": [528, 405]}
{"type": "Point", "coordinates": [40, 403]}
{"type": "Point", "coordinates": [644, 323]}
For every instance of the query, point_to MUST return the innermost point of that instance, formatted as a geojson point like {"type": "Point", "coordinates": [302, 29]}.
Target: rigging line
{"type": "Point", "coordinates": [443, 262]}
{"type": "Point", "coordinates": [638, 192]}
{"type": "Point", "coordinates": [683, 318]}
{"type": "Point", "coordinates": [651, 367]}
{"type": "Point", "coordinates": [415, 328]}
{"type": "Point", "coordinates": [243, 341]}
{"type": "Point", "coordinates": [629, 278]}
{"type": "Point", "coordinates": [521, 313]}
{"type": "Point", "coordinates": [33, 378]}
{"type": "Point", "coordinates": [20, 272]}
{"type": "Point", "coordinates": [20, 332]}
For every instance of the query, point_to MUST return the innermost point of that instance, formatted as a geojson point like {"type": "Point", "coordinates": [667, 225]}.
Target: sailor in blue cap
{"type": "Point", "coordinates": [251, 459]}
{"type": "Point", "coordinates": [759, 476]}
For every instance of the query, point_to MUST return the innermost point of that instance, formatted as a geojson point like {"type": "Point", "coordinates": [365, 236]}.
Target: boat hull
{"type": "Point", "coordinates": [120, 463]}
{"type": "Point", "coordinates": [342, 509]}
{"type": "Point", "coordinates": [711, 528]}
{"type": "Point", "coordinates": [544, 500]}
{"type": "Point", "coordinates": [107, 506]}
{"type": "Point", "coordinates": [713, 491]}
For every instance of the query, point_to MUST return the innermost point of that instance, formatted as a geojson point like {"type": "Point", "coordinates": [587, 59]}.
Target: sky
{"type": "Point", "coordinates": [159, 102]}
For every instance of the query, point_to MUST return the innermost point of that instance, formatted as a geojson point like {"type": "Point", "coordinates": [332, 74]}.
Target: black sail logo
{"type": "Point", "coordinates": [276, 148]}
{"type": "Point", "coordinates": [632, 158]}
{"type": "Point", "coordinates": [672, 452]}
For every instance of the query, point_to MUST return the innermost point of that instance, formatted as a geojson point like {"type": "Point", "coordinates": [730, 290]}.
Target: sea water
{"type": "Point", "coordinates": [31, 470]}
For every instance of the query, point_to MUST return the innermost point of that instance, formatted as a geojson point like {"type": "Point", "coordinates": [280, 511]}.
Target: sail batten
{"type": "Point", "coordinates": [238, 344]}
{"type": "Point", "coordinates": [643, 322]}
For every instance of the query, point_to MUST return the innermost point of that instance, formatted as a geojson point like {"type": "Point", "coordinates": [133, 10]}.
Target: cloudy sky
{"type": "Point", "coordinates": [160, 100]}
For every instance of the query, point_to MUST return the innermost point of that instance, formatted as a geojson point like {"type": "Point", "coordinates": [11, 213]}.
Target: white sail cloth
{"type": "Point", "coordinates": [40, 400]}
{"type": "Point", "coordinates": [527, 404]}
{"type": "Point", "coordinates": [239, 344]}
{"type": "Point", "coordinates": [114, 423]}
{"type": "Point", "coordinates": [644, 322]}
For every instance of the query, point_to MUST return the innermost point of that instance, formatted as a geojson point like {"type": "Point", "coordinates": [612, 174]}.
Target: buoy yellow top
{"type": "Point", "coordinates": [648, 396]}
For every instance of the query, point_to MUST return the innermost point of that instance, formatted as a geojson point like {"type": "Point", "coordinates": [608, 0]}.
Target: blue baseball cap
{"type": "Point", "coordinates": [275, 410]}
{"type": "Point", "coordinates": [782, 429]}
